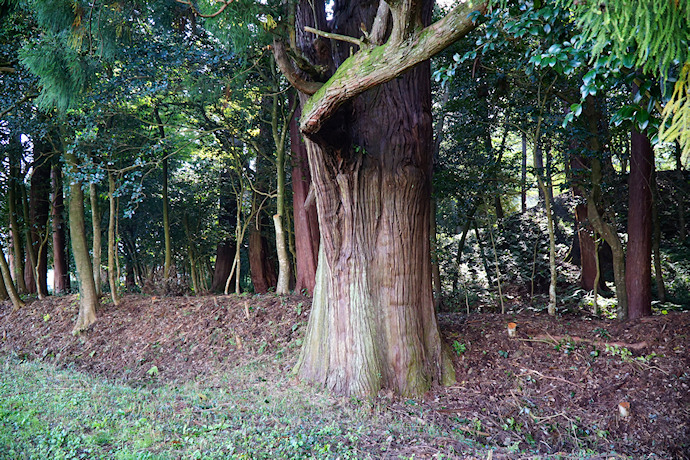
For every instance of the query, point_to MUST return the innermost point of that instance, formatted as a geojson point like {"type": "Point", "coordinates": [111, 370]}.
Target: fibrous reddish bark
{"type": "Point", "coordinates": [638, 271]}
{"type": "Point", "coordinates": [262, 269]}
{"type": "Point", "coordinates": [305, 216]}
{"type": "Point", "coordinates": [61, 283]}
{"type": "Point", "coordinates": [372, 322]}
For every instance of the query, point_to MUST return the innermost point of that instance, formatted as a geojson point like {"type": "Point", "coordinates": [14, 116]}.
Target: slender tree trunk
{"type": "Point", "coordinates": [610, 235]}
{"type": "Point", "coordinates": [61, 280]}
{"type": "Point", "coordinates": [39, 211]}
{"type": "Point", "coordinates": [29, 246]}
{"type": "Point", "coordinates": [3, 290]}
{"type": "Point", "coordinates": [656, 241]}
{"type": "Point", "coordinates": [97, 244]}
{"type": "Point", "coordinates": [17, 302]}
{"type": "Point", "coordinates": [304, 213]}
{"type": "Point", "coordinates": [88, 297]}
{"type": "Point", "coordinates": [638, 263]}
{"type": "Point", "coordinates": [283, 285]}
{"type": "Point", "coordinates": [112, 238]}
{"type": "Point", "coordinates": [461, 246]}
{"type": "Point", "coordinates": [523, 175]}
{"type": "Point", "coordinates": [166, 204]}
{"type": "Point", "coordinates": [544, 187]}
{"type": "Point", "coordinates": [680, 193]}
{"type": "Point", "coordinates": [225, 251]}
{"type": "Point", "coordinates": [482, 253]}
{"type": "Point", "coordinates": [12, 198]}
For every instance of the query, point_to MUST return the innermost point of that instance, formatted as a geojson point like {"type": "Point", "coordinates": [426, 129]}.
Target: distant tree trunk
{"type": "Point", "coordinates": [482, 253]}
{"type": "Point", "coordinates": [680, 192]}
{"type": "Point", "coordinates": [12, 199]}
{"type": "Point", "coordinates": [305, 216]}
{"type": "Point", "coordinates": [656, 241]}
{"type": "Point", "coordinates": [638, 269]}
{"type": "Point", "coordinates": [191, 254]}
{"type": "Point", "coordinates": [523, 175]}
{"type": "Point", "coordinates": [61, 280]}
{"type": "Point", "coordinates": [435, 260]}
{"type": "Point", "coordinates": [29, 246]}
{"type": "Point", "coordinates": [262, 268]}
{"type": "Point", "coordinates": [610, 235]}
{"type": "Point", "coordinates": [39, 210]}
{"type": "Point", "coordinates": [588, 249]}
{"type": "Point", "coordinates": [88, 298]}
{"type": "Point", "coordinates": [166, 204]}
{"type": "Point", "coordinates": [280, 138]}
{"type": "Point", "coordinates": [225, 251]}
{"type": "Point", "coordinates": [461, 246]}
{"type": "Point", "coordinates": [97, 244]}
{"type": "Point", "coordinates": [112, 237]}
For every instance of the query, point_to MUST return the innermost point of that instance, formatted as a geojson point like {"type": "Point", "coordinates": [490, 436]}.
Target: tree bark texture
{"type": "Point", "coordinates": [88, 298]}
{"type": "Point", "coordinates": [29, 247]}
{"type": "Point", "coordinates": [638, 268]}
{"type": "Point", "coordinates": [61, 282]}
{"type": "Point", "coordinates": [225, 251]}
{"type": "Point", "coordinates": [372, 323]}
{"type": "Point", "coordinates": [304, 214]}
{"type": "Point", "coordinates": [39, 210]}
{"type": "Point", "coordinates": [112, 238]}
{"type": "Point", "coordinates": [261, 266]}
{"type": "Point", "coordinates": [96, 246]}
{"type": "Point", "coordinates": [17, 302]}
{"type": "Point", "coordinates": [12, 200]}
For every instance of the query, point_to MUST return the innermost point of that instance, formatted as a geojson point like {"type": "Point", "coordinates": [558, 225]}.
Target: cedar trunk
{"type": "Point", "coordinates": [372, 323]}
{"type": "Point", "coordinates": [305, 215]}
{"type": "Point", "coordinates": [638, 271]}
{"type": "Point", "coordinates": [61, 281]}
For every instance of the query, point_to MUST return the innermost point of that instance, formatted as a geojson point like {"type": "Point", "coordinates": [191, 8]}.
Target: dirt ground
{"type": "Point", "coordinates": [554, 387]}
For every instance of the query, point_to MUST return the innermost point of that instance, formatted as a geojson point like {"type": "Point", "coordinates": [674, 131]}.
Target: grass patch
{"type": "Point", "coordinates": [62, 414]}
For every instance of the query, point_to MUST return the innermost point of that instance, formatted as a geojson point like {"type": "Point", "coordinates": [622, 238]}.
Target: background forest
{"type": "Point", "coordinates": [181, 149]}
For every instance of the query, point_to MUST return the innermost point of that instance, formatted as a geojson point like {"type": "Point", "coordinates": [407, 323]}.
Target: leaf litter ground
{"type": "Point", "coordinates": [553, 390]}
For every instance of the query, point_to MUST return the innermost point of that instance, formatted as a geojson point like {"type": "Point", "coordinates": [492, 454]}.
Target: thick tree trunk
{"type": "Point", "coordinates": [304, 213]}
{"type": "Point", "coordinates": [61, 283]}
{"type": "Point", "coordinates": [39, 209]}
{"type": "Point", "coordinates": [225, 256]}
{"type": "Point", "coordinates": [88, 298]}
{"type": "Point", "coordinates": [638, 268]}
{"type": "Point", "coordinates": [372, 322]}
{"type": "Point", "coordinates": [112, 238]}
{"type": "Point", "coordinates": [96, 246]}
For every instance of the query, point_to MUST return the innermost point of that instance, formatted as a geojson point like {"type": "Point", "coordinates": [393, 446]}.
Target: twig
{"type": "Point", "coordinates": [552, 378]}
{"type": "Point", "coordinates": [198, 13]}
{"type": "Point", "coordinates": [342, 38]}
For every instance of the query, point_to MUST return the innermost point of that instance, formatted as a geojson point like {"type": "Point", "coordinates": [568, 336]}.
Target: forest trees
{"type": "Point", "coordinates": [187, 123]}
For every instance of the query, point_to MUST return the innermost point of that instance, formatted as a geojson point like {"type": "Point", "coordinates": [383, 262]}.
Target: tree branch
{"type": "Point", "coordinates": [342, 38]}
{"type": "Point", "coordinates": [198, 13]}
{"type": "Point", "coordinates": [291, 73]}
{"type": "Point", "coordinates": [371, 67]}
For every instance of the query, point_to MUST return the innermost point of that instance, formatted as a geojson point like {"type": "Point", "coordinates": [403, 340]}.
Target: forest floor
{"type": "Point", "coordinates": [214, 372]}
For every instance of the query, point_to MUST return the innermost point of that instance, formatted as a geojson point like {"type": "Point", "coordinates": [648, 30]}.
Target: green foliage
{"type": "Point", "coordinates": [459, 347]}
